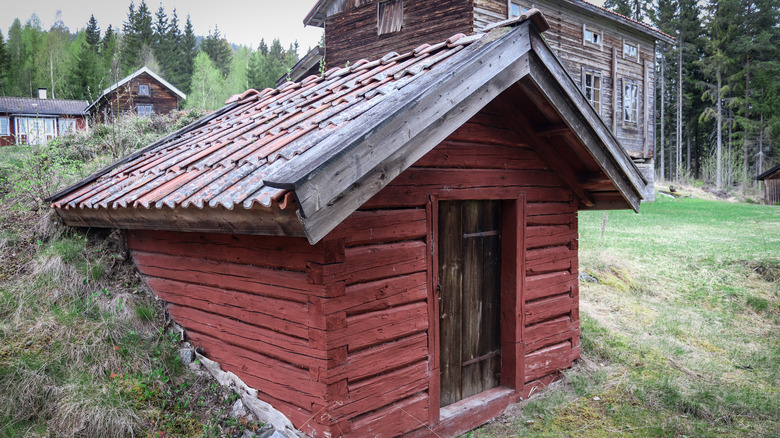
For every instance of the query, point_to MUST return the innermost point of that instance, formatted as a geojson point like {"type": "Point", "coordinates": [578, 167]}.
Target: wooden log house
{"type": "Point", "coordinates": [771, 179]}
{"type": "Point", "coordinates": [142, 92]}
{"type": "Point", "coordinates": [388, 249]}
{"type": "Point", "coordinates": [32, 121]}
{"type": "Point", "coordinates": [610, 56]}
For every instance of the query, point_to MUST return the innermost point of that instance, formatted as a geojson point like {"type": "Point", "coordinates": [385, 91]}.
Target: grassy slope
{"type": "Point", "coordinates": [680, 334]}
{"type": "Point", "coordinates": [85, 350]}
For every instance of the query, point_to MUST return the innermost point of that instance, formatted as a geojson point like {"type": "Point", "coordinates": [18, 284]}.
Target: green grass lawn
{"type": "Point", "coordinates": [679, 335]}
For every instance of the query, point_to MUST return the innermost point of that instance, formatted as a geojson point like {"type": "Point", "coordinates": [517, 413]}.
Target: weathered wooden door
{"type": "Point", "coordinates": [469, 243]}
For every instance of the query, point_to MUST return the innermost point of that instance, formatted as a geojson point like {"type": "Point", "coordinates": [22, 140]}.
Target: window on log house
{"type": "Point", "coordinates": [143, 89]}
{"type": "Point", "coordinates": [630, 101]}
{"type": "Point", "coordinates": [5, 128]}
{"type": "Point", "coordinates": [390, 16]}
{"type": "Point", "coordinates": [66, 126]}
{"type": "Point", "coordinates": [144, 110]}
{"type": "Point", "coordinates": [591, 36]}
{"type": "Point", "coordinates": [592, 87]}
{"type": "Point", "coordinates": [630, 51]}
{"type": "Point", "coordinates": [516, 9]}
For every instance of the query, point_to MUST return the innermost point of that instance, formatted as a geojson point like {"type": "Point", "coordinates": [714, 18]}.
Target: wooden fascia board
{"type": "Point", "coordinates": [267, 221]}
{"type": "Point", "coordinates": [550, 76]}
{"type": "Point", "coordinates": [377, 147]}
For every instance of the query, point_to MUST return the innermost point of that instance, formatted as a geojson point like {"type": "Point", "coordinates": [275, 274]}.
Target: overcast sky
{"type": "Point", "coordinates": [241, 21]}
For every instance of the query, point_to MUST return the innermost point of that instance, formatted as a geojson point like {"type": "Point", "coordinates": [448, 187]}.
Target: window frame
{"type": "Point", "coordinates": [149, 106]}
{"type": "Point", "coordinates": [7, 130]}
{"type": "Point", "coordinates": [595, 101]}
{"type": "Point", "coordinates": [66, 126]}
{"type": "Point", "coordinates": [626, 110]}
{"type": "Point", "coordinates": [627, 43]}
{"type": "Point", "coordinates": [142, 87]}
{"type": "Point", "coordinates": [523, 9]}
{"type": "Point", "coordinates": [385, 26]}
{"type": "Point", "coordinates": [592, 30]}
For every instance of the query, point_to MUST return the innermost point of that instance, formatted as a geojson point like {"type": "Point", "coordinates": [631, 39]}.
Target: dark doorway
{"type": "Point", "coordinates": [469, 245]}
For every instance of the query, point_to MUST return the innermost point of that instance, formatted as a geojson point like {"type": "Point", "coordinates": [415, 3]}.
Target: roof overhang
{"type": "Point", "coordinates": [361, 159]}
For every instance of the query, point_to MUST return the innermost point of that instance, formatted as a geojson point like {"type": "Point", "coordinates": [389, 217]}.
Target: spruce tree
{"type": "Point", "coordinates": [5, 66]}
{"type": "Point", "coordinates": [93, 34]}
{"type": "Point", "coordinates": [219, 51]}
{"type": "Point", "coordinates": [188, 50]}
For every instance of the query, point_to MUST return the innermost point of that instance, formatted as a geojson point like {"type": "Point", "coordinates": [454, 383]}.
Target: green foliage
{"type": "Point", "coordinates": [34, 172]}
{"type": "Point", "coordinates": [207, 85]}
{"type": "Point", "coordinates": [218, 50]}
{"type": "Point", "coordinates": [267, 65]}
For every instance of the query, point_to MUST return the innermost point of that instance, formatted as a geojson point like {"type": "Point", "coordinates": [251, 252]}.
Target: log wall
{"type": "Point", "coordinates": [341, 336]}
{"type": "Point", "coordinates": [352, 35]}
{"type": "Point", "coordinates": [126, 98]}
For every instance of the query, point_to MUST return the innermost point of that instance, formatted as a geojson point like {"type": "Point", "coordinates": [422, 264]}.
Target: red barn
{"type": "Point", "coordinates": [388, 249]}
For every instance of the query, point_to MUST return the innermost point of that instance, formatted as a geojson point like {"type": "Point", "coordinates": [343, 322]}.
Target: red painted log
{"type": "Point", "coordinates": [379, 295]}
{"type": "Point", "coordinates": [375, 328]}
{"type": "Point", "coordinates": [280, 315]}
{"type": "Point", "coordinates": [548, 308]}
{"type": "Point", "coordinates": [290, 253]}
{"type": "Point", "coordinates": [547, 360]}
{"type": "Point", "coordinates": [453, 154]}
{"type": "Point", "coordinates": [377, 226]}
{"type": "Point", "coordinates": [393, 420]}
{"type": "Point", "coordinates": [367, 263]}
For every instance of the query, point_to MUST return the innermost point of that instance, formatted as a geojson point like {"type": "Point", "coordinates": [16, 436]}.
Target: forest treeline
{"type": "Point", "coordinates": [718, 87]}
{"type": "Point", "coordinates": [81, 65]}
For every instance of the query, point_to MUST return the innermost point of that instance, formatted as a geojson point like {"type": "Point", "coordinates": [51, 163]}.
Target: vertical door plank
{"type": "Point", "coordinates": [450, 284]}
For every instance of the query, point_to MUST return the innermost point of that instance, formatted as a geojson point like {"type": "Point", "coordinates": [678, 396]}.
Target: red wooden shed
{"type": "Point", "coordinates": [388, 249]}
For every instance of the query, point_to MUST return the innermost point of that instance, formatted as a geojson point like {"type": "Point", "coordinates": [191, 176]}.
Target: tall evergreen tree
{"type": "Point", "coordinates": [93, 34]}
{"type": "Point", "coordinates": [188, 50]}
{"type": "Point", "coordinates": [5, 66]}
{"type": "Point", "coordinates": [219, 51]}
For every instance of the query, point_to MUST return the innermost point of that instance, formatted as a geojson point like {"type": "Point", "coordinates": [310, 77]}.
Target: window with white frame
{"type": "Point", "coordinates": [630, 101]}
{"type": "Point", "coordinates": [591, 36]}
{"type": "Point", "coordinates": [5, 127]}
{"type": "Point", "coordinates": [66, 126]}
{"type": "Point", "coordinates": [144, 110]}
{"type": "Point", "coordinates": [630, 51]}
{"type": "Point", "coordinates": [516, 9]}
{"type": "Point", "coordinates": [143, 89]}
{"type": "Point", "coordinates": [592, 88]}
{"type": "Point", "coordinates": [390, 16]}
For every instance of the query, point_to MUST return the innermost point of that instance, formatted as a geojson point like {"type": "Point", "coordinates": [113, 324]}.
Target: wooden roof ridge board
{"type": "Point", "coordinates": [357, 161]}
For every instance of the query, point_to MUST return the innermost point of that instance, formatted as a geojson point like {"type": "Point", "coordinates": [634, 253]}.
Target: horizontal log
{"type": "Point", "coordinates": [453, 154]}
{"type": "Point", "coordinates": [367, 263]}
{"type": "Point", "coordinates": [545, 285]}
{"type": "Point", "coordinates": [569, 219]}
{"type": "Point", "coordinates": [273, 377]}
{"type": "Point", "coordinates": [291, 253]}
{"type": "Point", "coordinates": [464, 178]}
{"type": "Point", "coordinates": [266, 342]}
{"type": "Point", "coordinates": [539, 335]}
{"type": "Point", "coordinates": [547, 361]}
{"type": "Point", "coordinates": [286, 285]}
{"type": "Point", "coordinates": [283, 316]}
{"type": "Point", "coordinates": [386, 389]}
{"type": "Point", "coordinates": [375, 328]}
{"type": "Point", "coordinates": [548, 308]}
{"type": "Point", "coordinates": [393, 420]}
{"type": "Point", "coordinates": [394, 196]}
{"type": "Point", "coordinates": [380, 295]}
{"type": "Point", "coordinates": [544, 236]}
{"type": "Point", "coordinates": [386, 357]}
{"type": "Point", "coordinates": [375, 226]}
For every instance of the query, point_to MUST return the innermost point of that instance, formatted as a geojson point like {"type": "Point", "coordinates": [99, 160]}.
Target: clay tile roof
{"type": "Point", "coordinates": [49, 107]}
{"type": "Point", "coordinates": [223, 159]}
